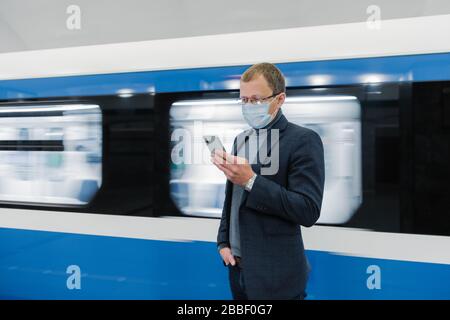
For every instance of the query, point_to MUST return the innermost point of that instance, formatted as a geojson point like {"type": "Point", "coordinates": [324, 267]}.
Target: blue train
{"type": "Point", "coordinates": [92, 205]}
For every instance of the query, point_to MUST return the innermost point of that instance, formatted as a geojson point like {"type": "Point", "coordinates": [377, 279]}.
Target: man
{"type": "Point", "coordinates": [259, 237]}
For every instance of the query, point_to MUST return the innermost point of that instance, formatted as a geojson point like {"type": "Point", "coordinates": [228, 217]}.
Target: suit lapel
{"type": "Point", "coordinates": [268, 138]}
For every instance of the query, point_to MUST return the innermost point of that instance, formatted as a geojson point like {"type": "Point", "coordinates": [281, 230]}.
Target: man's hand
{"type": "Point", "coordinates": [236, 169]}
{"type": "Point", "coordinates": [227, 257]}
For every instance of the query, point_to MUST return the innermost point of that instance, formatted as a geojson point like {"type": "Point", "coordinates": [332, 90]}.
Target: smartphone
{"type": "Point", "coordinates": [213, 143]}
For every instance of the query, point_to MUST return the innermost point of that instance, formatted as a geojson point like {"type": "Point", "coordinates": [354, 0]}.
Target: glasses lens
{"type": "Point", "coordinates": [243, 100]}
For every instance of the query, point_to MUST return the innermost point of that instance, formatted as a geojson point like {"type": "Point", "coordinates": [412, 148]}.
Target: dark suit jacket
{"type": "Point", "coordinates": [273, 258]}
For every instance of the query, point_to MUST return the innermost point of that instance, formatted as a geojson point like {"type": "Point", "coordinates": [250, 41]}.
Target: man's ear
{"type": "Point", "coordinates": [281, 99]}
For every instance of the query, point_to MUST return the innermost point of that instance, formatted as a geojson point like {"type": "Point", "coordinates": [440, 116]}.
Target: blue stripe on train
{"type": "Point", "coordinates": [33, 264]}
{"type": "Point", "coordinates": [427, 67]}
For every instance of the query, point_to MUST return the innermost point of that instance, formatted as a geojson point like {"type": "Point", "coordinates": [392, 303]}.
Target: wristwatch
{"type": "Point", "coordinates": [248, 186]}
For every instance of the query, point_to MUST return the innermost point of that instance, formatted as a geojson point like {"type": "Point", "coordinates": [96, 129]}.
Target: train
{"type": "Point", "coordinates": [92, 205]}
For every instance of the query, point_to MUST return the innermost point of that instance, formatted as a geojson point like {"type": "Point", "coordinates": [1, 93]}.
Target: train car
{"type": "Point", "coordinates": [93, 205]}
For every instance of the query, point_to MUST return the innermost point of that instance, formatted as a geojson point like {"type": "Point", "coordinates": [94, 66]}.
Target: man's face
{"type": "Point", "coordinates": [258, 88]}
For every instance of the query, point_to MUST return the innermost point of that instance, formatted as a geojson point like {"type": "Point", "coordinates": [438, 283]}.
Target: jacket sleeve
{"type": "Point", "coordinates": [300, 202]}
{"type": "Point", "coordinates": [222, 233]}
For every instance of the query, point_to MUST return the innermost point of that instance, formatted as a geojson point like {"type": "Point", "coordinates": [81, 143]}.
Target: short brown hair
{"type": "Point", "coordinates": [270, 72]}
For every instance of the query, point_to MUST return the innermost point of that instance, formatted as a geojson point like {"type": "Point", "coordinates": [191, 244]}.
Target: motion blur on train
{"type": "Point", "coordinates": [93, 205]}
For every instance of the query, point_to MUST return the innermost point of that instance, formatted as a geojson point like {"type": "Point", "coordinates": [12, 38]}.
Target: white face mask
{"type": "Point", "coordinates": [257, 116]}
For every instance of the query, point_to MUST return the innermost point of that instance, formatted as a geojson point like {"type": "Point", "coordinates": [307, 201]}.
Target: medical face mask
{"type": "Point", "coordinates": [257, 116]}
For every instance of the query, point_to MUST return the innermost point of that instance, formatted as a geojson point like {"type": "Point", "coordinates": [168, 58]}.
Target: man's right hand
{"type": "Point", "coordinates": [227, 257]}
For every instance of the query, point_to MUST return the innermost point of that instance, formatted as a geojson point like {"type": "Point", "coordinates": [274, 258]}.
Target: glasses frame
{"type": "Point", "coordinates": [258, 101]}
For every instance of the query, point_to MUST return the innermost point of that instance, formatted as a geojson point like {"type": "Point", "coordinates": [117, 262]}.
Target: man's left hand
{"type": "Point", "coordinates": [236, 169]}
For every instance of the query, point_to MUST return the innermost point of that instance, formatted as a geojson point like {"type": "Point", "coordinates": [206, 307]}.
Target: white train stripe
{"type": "Point", "coordinates": [346, 241]}
{"type": "Point", "coordinates": [380, 245]}
{"type": "Point", "coordinates": [351, 40]}
{"type": "Point", "coordinates": [165, 228]}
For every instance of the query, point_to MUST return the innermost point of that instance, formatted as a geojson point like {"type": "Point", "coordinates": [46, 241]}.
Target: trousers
{"type": "Point", "coordinates": [237, 284]}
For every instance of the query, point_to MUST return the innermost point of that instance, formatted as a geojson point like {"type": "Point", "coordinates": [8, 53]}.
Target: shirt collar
{"type": "Point", "coordinates": [278, 122]}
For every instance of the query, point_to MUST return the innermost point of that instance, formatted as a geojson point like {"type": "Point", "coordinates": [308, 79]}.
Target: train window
{"type": "Point", "coordinates": [381, 136]}
{"type": "Point", "coordinates": [50, 154]}
{"type": "Point", "coordinates": [337, 119]}
{"type": "Point", "coordinates": [198, 188]}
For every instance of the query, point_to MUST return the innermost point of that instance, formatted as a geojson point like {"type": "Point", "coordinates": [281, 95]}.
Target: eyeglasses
{"type": "Point", "coordinates": [255, 101]}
